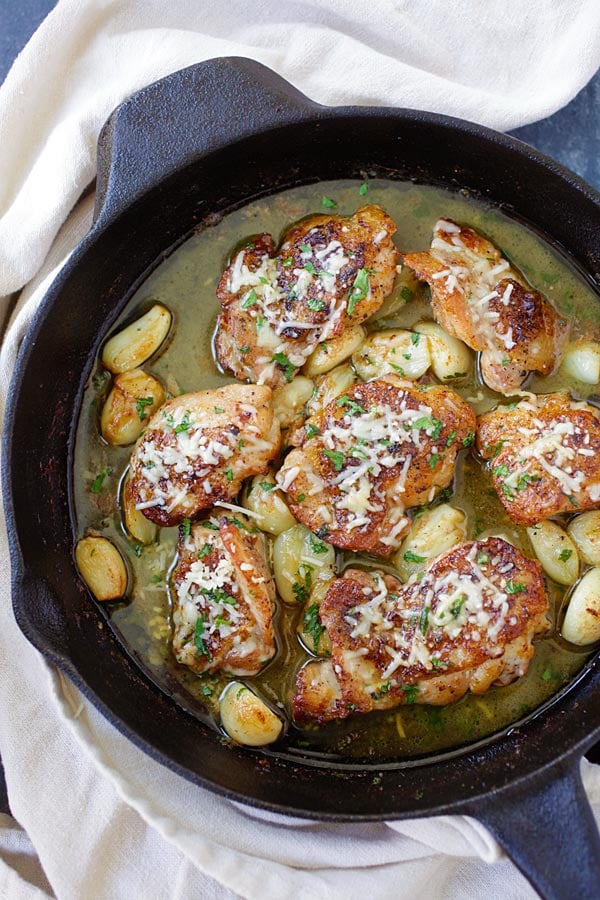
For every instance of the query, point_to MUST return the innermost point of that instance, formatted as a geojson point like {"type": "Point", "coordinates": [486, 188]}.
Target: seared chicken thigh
{"type": "Point", "coordinates": [544, 455]}
{"type": "Point", "coordinates": [480, 298]}
{"type": "Point", "coordinates": [331, 272]}
{"type": "Point", "coordinates": [466, 624]}
{"type": "Point", "coordinates": [375, 451]}
{"type": "Point", "coordinates": [198, 448]}
{"type": "Point", "coordinates": [223, 598]}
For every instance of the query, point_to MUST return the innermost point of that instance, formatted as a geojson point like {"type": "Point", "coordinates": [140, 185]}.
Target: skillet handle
{"type": "Point", "coordinates": [547, 827]}
{"type": "Point", "coordinates": [183, 117]}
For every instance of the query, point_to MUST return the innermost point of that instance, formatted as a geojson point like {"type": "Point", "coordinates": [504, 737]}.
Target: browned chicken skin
{"type": "Point", "coordinates": [545, 456]}
{"type": "Point", "coordinates": [223, 598]}
{"type": "Point", "coordinates": [480, 298]}
{"type": "Point", "coordinates": [198, 448]}
{"type": "Point", "coordinates": [375, 451]}
{"type": "Point", "coordinates": [331, 272]}
{"type": "Point", "coordinates": [467, 624]}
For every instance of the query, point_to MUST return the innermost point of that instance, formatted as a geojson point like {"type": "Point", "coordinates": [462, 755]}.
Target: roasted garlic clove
{"type": "Point", "coordinates": [129, 348]}
{"type": "Point", "coordinates": [246, 718]}
{"type": "Point", "coordinates": [556, 551]}
{"type": "Point", "coordinates": [132, 400]}
{"type": "Point", "coordinates": [102, 567]}
{"type": "Point", "coordinates": [397, 352]}
{"type": "Point", "coordinates": [332, 352]}
{"type": "Point", "coordinates": [581, 625]}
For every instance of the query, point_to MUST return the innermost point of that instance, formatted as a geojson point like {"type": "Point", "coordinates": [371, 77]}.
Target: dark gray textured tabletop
{"type": "Point", "coordinates": [571, 136]}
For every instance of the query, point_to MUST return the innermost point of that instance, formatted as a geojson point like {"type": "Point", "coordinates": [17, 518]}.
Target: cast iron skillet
{"type": "Point", "coordinates": [203, 140]}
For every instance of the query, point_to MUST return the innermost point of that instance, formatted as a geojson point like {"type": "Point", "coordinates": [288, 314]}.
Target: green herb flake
{"type": "Point", "coordinates": [284, 363]}
{"type": "Point", "coordinates": [312, 624]}
{"type": "Point", "coordinates": [156, 579]}
{"type": "Point", "coordinates": [219, 409]}
{"type": "Point", "coordinates": [250, 300]}
{"type": "Point", "coordinates": [311, 431]}
{"type": "Point", "coordinates": [309, 267]}
{"type": "Point", "coordinates": [433, 460]}
{"type": "Point", "coordinates": [204, 551]}
{"type": "Point", "coordinates": [287, 262]}
{"type": "Point", "coordinates": [359, 290]}
{"type": "Point", "coordinates": [98, 481]}
{"type": "Point", "coordinates": [409, 556]}
{"type": "Point", "coordinates": [456, 608]}
{"type": "Point", "coordinates": [316, 545]}
{"type": "Point", "coordinates": [244, 349]}
{"type": "Point", "coordinates": [314, 304]}
{"type": "Point", "coordinates": [546, 674]}
{"type": "Point", "coordinates": [424, 620]}
{"type": "Point", "coordinates": [353, 407]}
{"type": "Point", "coordinates": [411, 692]}
{"type": "Point", "coordinates": [451, 438]}
{"type": "Point", "coordinates": [141, 403]}
{"type": "Point", "coordinates": [565, 554]}
{"type": "Point", "coordinates": [184, 425]}
{"type": "Point", "coordinates": [207, 690]}
{"type": "Point", "coordinates": [482, 559]}
{"type": "Point", "coordinates": [469, 439]}
{"type": "Point", "coordinates": [515, 587]}
{"type": "Point", "coordinates": [187, 527]}
{"type": "Point", "coordinates": [336, 457]}
{"type": "Point", "coordinates": [415, 338]}
{"type": "Point", "coordinates": [328, 203]}
{"type": "Point", "coordinates": [301, 497]}
{"type": "Point", "coordinates": [267, 486]}
{"type": "Point", "coordinates": [406, 294]}
{"type": "Point", "coordinates": [363, 188]}
{"type": "Point", "coordinates": [306, 248]}
{"type": "Point", "coordinates": [199, 641]}
{"type": "Point", "coordinates": [263, 280]}
{"type": "Point", "coordinates": [229, 474]}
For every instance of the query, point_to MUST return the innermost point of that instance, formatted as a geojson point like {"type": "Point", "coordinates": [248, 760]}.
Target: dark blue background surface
{"type": "Point", "coordinates": [571, 136]}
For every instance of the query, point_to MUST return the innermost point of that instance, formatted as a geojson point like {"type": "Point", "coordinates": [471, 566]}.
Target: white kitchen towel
{"type": "Point", "coordinates": [106, 821]}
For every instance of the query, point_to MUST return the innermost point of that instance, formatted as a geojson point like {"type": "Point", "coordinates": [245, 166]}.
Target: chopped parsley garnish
{"type": "Point", "coordinates": [284, 363]}
{"type": "Point", "coordinates": [415, 338]}
{"type": "Point", "coordinates": [315, 304]}
{"type": "Point", "coordinates": [250, 245]}
{"type": "Point", "coordinates": [316, 545]}
{"type": "Point", "coordinates": [383, 690]}
{"type": "Point", "coordinates": [204, 551]}
{"type": "Point", "coordinates": [310, 431]}
{"type": "Point", "coordinates": [411, 692]}
{"type": "Point", "coordinates": [546, 674]}
{"type": "Point", "coordinates": [229, 474]}
{"type": "Point", "coordinates": [336, 457]}
{"type": "Point", "coordinates": [267, 486]}
{"type": "Point", "coordinates": [187, 527]}
{"type": "Point", "coordinates": [250, 299]}
{"type": "Point", "coordinates": [207, 690]}
{"type": "Point", "coordinates": [156, 579]}
{"type": "Point", "coordinates": [409, 556]}
{"type": "Point", "coordinates": [328, 203]}
{"type": "Point", "coordinates": [184, 425]}
{"type": "Point", "coordinates": [244, 349]}
{"type": "Point", "coordinates": [260, 321]}
{"type": "Point", "coordinates": [309, 267]}
{"type": "Point", "coordinates": [406, 294]}
{"type": "Point", "coordinates": [515, 587]}
{"type": "Point", "coordinates": [306, 248]}
{"type": "Point", "coordinates": [312, 625]}
{"type": "Point", "coordinates": [242, 525]}
{"type": "Point", "coordinates": [451, 438]}
{"type": "Point", "coordinates": [288, 261]}
{"type": "Point", "coordinates": [363, 188]}
{"type": "Point", "coordinates": [501, 471]}
{"type": "Point", "coordinates": [210, 525]}
{"type": "Point", "coordinates": [524, 479]}
{"type": "Point", "coordinates": [424, 620]}
{"type": "Point", "coordinates": [482, 558]}
{"type": "Point", "coordinates": [565, 554]}
{"type": "Point", "coordinates": [438, 663]}
{"type": "Point", "coordinates": [199, 641]}
{"type": "Point", "coordinates": [353, 407]}
{"type": "Point", "coordinates": [398, 369]}
{"type": "Point", "coordinates": [359, 289]}
{"type": "Point", "coordinates": [263, 280]}
{"type": "Point", "coordinates": [469, 440]}
{"type": "Point", "coordinates": [359, 454]}
{"type": "Point", "coordinates": [301, 497]}
{"type": "Point", "coordinates": [216, 595]}
{"type": "Point", "coordinates": [431, 425]}
{"type": "Point", "coordinates": [433, 460]}
{"type": "Point", "coordinates": [456, 608]}
{"type": "Point", "coordinates": [98, 481]}
{"type": "Point", "coordinates": [572, 501]}
{"type": "Point", "coordinates": [140, 405]}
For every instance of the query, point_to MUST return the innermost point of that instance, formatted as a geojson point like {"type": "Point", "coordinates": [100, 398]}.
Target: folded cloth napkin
{"type": "Point", "coordinates": [105, 820]}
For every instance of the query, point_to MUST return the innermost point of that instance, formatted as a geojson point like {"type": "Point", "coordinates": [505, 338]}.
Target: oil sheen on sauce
{"type": "Point", "coordinates": [185, 282]}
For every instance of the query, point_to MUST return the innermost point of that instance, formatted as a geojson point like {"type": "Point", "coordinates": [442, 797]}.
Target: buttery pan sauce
{"type": "Point", "coordinates": [185, 284]}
